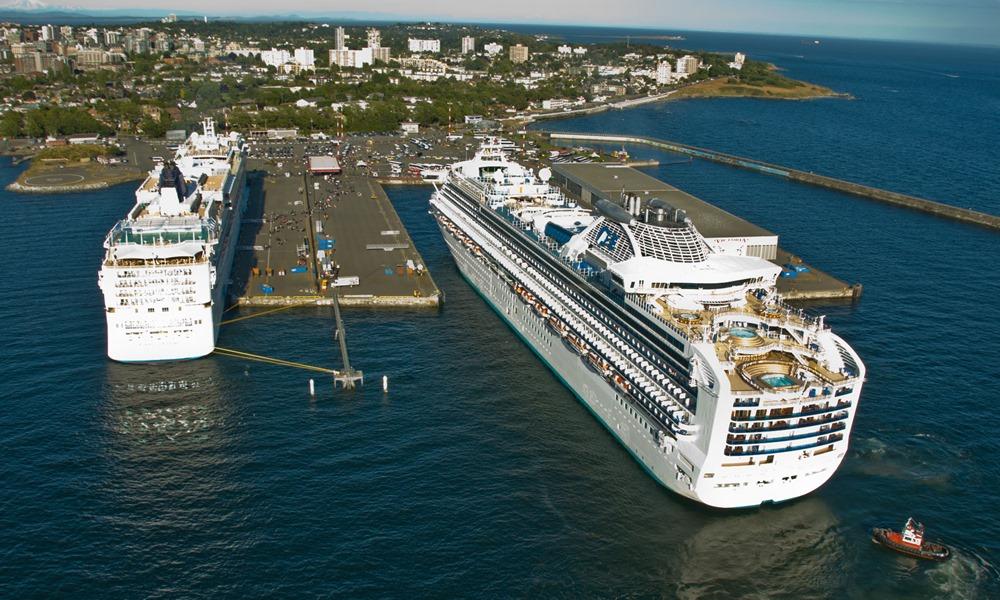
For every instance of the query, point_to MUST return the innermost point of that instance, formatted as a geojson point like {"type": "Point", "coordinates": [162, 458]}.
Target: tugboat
{"type": "Point", "coordinates": [911, 542]}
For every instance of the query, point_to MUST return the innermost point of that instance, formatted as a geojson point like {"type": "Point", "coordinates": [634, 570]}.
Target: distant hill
{"type": "Point", "coordinates": [36, 12]}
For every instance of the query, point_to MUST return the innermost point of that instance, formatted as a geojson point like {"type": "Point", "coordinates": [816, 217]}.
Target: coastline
{"type": "Point", "coordinates": [709, 88]}
{"type": "Point", "coordinates": [65, 189]}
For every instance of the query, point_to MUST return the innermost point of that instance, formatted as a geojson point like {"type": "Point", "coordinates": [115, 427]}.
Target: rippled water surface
{"type": "Point", "coordinates": [478, 474]}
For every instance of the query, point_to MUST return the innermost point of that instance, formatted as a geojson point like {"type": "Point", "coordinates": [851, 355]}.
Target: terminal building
{"type": "Point", "coordinates": [723, 231]}
{"type": "Point", "coordinates": [324, 165]}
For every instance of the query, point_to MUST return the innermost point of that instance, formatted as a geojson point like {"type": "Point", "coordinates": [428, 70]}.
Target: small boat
{"type": "Point", "coordinates": [910, 542]}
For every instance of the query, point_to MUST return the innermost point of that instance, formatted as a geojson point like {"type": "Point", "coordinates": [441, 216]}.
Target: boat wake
{"type": "Point", "coordinates": [966, 575]}
{"type": "Point", "coordinates": [918, 459]}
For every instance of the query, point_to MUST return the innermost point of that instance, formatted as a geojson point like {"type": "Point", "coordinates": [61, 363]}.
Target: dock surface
{"type": "Point", "coordinates": [295, 221]}
{"type": "Point", "coordinates": [856, 189]}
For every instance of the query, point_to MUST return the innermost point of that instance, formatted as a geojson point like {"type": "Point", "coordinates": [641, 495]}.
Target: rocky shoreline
{"type": "Point", "coordinates": [64, 189]}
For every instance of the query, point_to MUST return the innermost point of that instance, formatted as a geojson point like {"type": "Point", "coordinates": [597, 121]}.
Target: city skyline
{"type": "Point", "coordinates": [939, 21]}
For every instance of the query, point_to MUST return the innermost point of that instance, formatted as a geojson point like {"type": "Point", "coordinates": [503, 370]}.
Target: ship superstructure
{"type": "Point", "coordinates": [686, 354]}
{"type": "Point", "coordinates": [167, 263]}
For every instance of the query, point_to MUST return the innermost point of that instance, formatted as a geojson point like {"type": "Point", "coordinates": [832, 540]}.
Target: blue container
{"type": "Point", "coordinates": [790, 274]}
{"type": "Point", "coordinates": [266, 289]}
{"type": "Point", "coordinates": [299, 269]}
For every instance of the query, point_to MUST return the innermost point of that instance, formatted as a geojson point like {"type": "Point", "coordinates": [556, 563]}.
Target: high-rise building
{"type": "Point", "coordinates": [381, 54]}
{"type": "Point", "coordinates": [38, 62]}
{"type": "Point", "coordinates": [112, 38]}
{"type": "Point", "coordinates": [357, 58]}
{"type": "Point", "coordinates": [518, 53]}
{"type": "Point", "coordinates": [48, 33]}
{"type": "Point", "coordinates": [275, 57]}
{"type": "Point", "coordinates": [374, 38]}
{"type": "Point", "coordinates": [163, 43]}
{"type": "Point", "coordinates": [688, 64]}
{"type": "Point", "coordinates": [468, 45]}
{"type": "Point", "coordinates": [416, 45]}
{"type": "Point", "coordinates": [305, 58]}
{"type": "Point", "coordinates": [66, 32]}
{"type": "Point", "coordinates": [339, 39]}
{"type": "Point", "coordinates": [663, 73]}
{"type": "Point", "coordinates": [89, 58]}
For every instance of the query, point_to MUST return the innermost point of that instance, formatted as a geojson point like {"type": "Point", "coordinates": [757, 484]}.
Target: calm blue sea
{"type": "Point", "coordinates": [478, 474]}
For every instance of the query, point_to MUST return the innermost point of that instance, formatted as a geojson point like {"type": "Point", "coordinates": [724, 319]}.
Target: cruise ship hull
{"type": "Point", "coordinates": [606, 404]}
{"type": "Point", "coordinates": [183, 332]}
{"type": "Point", "coordinates": [682, 464]}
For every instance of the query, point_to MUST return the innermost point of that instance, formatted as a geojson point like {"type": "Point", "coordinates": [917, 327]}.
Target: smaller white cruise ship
{"type": "Point", "coordinates": [167, 263]}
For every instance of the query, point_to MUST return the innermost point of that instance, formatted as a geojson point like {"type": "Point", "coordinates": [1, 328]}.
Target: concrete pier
{"type": "Point", "coordinates": [295, 222]}
{"type": "Point", "coordinates": [928, 206]}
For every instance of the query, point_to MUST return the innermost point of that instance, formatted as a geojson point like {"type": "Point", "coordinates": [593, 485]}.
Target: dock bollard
{"type": "Point", "coordinates": [385, 384]}
{"type": "Point", "coordinates": [312, 387]}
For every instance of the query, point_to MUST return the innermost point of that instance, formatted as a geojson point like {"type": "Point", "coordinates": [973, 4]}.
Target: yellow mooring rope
{"type": "Point", "coordinates": [273, 361]}
{"type": "Point", "coordinates": [266, 312]}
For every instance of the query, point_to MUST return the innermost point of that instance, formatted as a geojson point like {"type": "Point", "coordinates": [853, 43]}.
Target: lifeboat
{"type": "Point", "coordinates": [577, 345]}
{"type": "Point", "coordinates": [557, 325]}
{"type": "Point", "coordinates": [596, 363]}
{"type": "Point", "coordinates": [910, 542]}
{"type": "Point", "coordinates": [620, 383]}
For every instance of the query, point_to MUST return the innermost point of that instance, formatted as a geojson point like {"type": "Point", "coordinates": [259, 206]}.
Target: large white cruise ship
{"type": "Point", "coordinates": [685, 353]}
{"type": "Point", "coordinates": [167, 263]}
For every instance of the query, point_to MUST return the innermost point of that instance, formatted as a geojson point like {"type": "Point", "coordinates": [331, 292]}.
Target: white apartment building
{"type": "Point", "coordinates": [468, 45]}
{"type": "Point", "coordinates": [416, 45]}
{"type": "Point", "coordinates": [304, 58]}
{"type": "Point", "coordinates": [275, 57]}
{"type": "Point", "coordinates": [663, 73]}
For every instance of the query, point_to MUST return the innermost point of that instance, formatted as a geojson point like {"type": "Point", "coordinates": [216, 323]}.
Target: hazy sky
{"type": "Point", "coordinates": [964, 21]}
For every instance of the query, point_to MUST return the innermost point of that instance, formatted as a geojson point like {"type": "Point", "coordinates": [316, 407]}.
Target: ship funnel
{"type": "Point", "coordinates": [613, 211]}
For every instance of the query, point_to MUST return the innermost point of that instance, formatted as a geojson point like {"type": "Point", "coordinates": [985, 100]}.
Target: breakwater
{"type": "Point", "coordinates": [920, 204]}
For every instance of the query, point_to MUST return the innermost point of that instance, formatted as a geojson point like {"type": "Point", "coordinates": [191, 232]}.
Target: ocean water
{"type": "Point", "coordinates": [478, 474]}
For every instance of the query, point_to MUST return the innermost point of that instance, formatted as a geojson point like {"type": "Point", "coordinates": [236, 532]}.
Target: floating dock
{"type": "Point", "coordinates": [304, 235]}
{"type": "Point", "coordinates": [590, 182]}
{"type": "Point", "coordinates": [928, 206]}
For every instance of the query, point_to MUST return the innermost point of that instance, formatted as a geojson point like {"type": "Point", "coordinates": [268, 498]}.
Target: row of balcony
{"type": "Point", "coordinates": [785, 425]}
{"type": "Point", "coordinates": [758, 438]}
{"type": "Point", "coordinates": [805, 412]}
{"type": "Point", "coordinates": [758, 450]}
